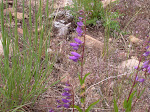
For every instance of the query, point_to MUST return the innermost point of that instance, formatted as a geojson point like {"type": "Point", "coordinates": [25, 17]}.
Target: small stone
{"type": "Point", "coordinates": [62, 28]}
{"type": "Point", "coordinates": [128, 66]}
{"type": "Point", "coordinates": [135, 40]}
{"type": "Point", "coordinates": [92, 43]}
{"type": "Point", "coordinates": [1, 48]}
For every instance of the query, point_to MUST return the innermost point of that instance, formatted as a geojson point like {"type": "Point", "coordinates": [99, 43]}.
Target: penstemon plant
{"type": "Point", "coordinates": [76, 57]}
{"type": "Point", "coordinates": [128, 102]}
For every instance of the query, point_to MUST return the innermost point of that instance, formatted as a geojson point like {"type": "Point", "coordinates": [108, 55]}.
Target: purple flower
{"type": "Point", "coordinates": [79, 31]}
{"type": "Point", "coordinates": [66, 94]}
{"type": "Point", "coordinates": [66, 105]}
{"type": "Point", "coordinates": [58, 101]}
{"type": "Point", "coordinates": [80, 18]}
{"type": "Point", "coordinates": [51, 110]}
{"type": "Point", "coordinates": [74, 44]}
{"type": "Point", "coordinates": [74, 58]}
{"type": "Point", "coordinates": [66, 89]}
{"type": "Point", "coordinates": [75, 48]}
{"type": "Point", "coordinates": [67, 84]}
{"type": "Point", "coordinates": [65, 100]}
{"type": "Point", "coordinates": [147, 47]}
{"type": "Point", "coordinates": [59, 106]}
{"type": "Point", "coordinates": [80, 23]}
{"type": "Point", "coordinates": [146, 53]}
{"type": "Point", "coordinates": [78, 41]}
{"type": "Point", "coordinates": [76, 54]}
{"type": "Point", "coordinates": [68, 97]}
{"type": "Point", "coordinates": [139, 80]}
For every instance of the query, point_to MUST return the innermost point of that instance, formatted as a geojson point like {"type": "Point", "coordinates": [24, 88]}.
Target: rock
{"type": "Point", "coordinates": [128, 66]}
{"type": "Point", "coordinates": [57, 14]}
{"type": "Point", "coordinates": [107, 2]}
{"type": "Point", "coordinates": [90, 42]}
{"type": "Point", "coordinates": [8, 10]}
{"type": "Point", "coordinates": [20, 15]}
{"type": "Point", "coordinates": [135, 40]}
{"type": "Point", "coordinates": [67, 2]}
{"type": "Point", "coordinates": [62, 28]}
{"type": "Point", "coordinates": [9, 2]}
{"type": "Point", "coordinates": [69, 17]}
{"type": "Point", "coordinates": [1, 49]}
{"type": "Point", "coordinates": [20, 31]}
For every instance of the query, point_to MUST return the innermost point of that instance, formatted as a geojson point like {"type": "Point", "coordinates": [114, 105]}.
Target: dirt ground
{"type": "Point", "coordinates": [135, 21]}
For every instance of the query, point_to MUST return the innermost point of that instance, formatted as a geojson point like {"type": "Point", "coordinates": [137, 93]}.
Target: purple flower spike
{"type": "Point", "coordinates": [76, 54]}
{"type": "Point", "coordinates": [65, 100]}
{"type": "Point", "coordinates": [80, 23]}
{"type": "Point", "coordinates": [66, 105]}
{"type": "Point", "coordinates": [78, 40]}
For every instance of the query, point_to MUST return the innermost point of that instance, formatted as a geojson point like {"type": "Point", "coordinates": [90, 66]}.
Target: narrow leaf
{"type": "Point", "coordinates": [78, 108]}
{"type": "Point", "coordinates": [115, 106]}
{"type": "Point", "coordinates": [91, 106]}
{"type": "Point", "coordinates": [85, 77]}
{"type": "Point", "coordinates": [80, 79]}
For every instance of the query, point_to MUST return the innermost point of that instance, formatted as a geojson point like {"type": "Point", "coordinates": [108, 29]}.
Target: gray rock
{"type": "Point", "coordinates": [128, 66]}
{"type": "Point", "coordinates": [1, 48]}
{"type": "Point", "coordinates": [62, 28]}
{"type": "Point", "coordinates": [69, 17]}
{"type": "Point", "coordinates": [57, 14]}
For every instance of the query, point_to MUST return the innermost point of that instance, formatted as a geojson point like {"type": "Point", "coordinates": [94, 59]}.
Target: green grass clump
{"type": "Point", "coordinates": [23, 72]}
{"type": "Point", "coordinates": [95, 11]}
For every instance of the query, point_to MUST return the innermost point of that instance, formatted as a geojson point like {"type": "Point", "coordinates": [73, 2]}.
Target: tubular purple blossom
{"type": "Point", "coordinates": [76, 54]}
{"type": "Point", "coordinates": [65, 100]}
{"type": "Point", "coordinates": [146, 53]}
{"type": "Point", "coordinates": [51, 110]}
{"type": "Point", "coordinates": [80, 18]}
{"type": "Point", "coordinates": [66, 105]}
{"type": "Point", "coordinates": [79, 31]}
{"type": "Point", "coordinates": [74, 58]}
{"type": "Point", "coordinates": [66, 89]}
{"type": "Point", "coordinates": [78, 40]}
{"type": "Point", "coordinates": [74, 44]}
{"type": "Point", "coordinates": [139, 80]}
{"type": "Point", "coordinates": [80, 23]}
{"type": "Point", "coordinates": [66, 94]}
{"type": "Point", "coordinates": [75, 48]}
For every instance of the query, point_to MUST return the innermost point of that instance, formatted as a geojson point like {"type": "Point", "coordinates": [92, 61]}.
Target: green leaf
{"type": "Point", "coordinates": [80, 79]}
{"type": "Point", "coordinates": [125, 103]}
{"type": "Point", "coordinates": [115, 106]}
{"type": "Point", "coordinates": [77, 107]}
{"type": "Point", "coordinates": [129, 103]}
{"type": "Point", "coordinates": [91, 106]}
{"type": "Point", "coordinates": [85, 77]}
{"type": "Point", "coordinates": [141, 93]}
